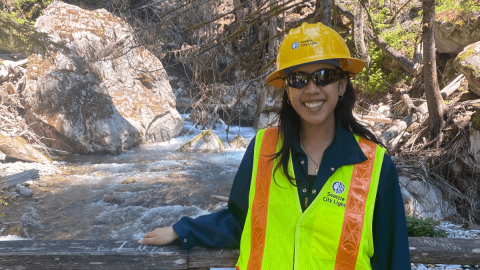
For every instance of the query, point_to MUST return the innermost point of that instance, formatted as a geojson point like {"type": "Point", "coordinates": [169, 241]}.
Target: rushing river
{"type": "Point", "coordinates": [123, 196]}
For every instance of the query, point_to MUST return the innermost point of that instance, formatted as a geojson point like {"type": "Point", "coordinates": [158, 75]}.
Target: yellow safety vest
{"type": "Point", "coordinates": [335, 231]}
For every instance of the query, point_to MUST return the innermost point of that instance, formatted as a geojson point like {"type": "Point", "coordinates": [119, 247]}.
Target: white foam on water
{"type": "Point", "coordinates": [17, 167]}
{"type": "Point", "coordinates": [12, 238]}
{"type": "Point", "coordinates": [114, 167]}
{"type": "Point", "coordinates": [135, 221]}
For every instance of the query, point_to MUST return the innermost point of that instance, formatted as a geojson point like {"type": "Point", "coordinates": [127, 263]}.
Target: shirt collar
{"type": "Point", "coordinates": [344, 148]}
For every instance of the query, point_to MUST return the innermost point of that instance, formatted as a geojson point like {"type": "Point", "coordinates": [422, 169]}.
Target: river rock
{"type": "Point", "coordinates": [104, 96]}
{"type": "Point", "coordinates": [238, 142]}
{"type": "Point", "coordinates": [205, 142]}
{"type": "Point", "coordinates": [452, 35]}
{"type": "Point", "coordinates": [17, 148]}
{"type": "Point", "coordinates": [468, 63]}
{"type": "Point", "coordinates": [423, 200]}
{"type": "Point", "coordinates": [25, 192]}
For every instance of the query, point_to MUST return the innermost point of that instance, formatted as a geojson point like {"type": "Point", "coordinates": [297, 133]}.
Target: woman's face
{"type": "Point", "coordinates": [315, 104]}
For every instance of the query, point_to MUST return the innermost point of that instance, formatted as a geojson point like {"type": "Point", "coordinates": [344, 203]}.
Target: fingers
{"type": "Point", "coordinates": [159, 236]}
{"type": "Point", "coordinates": [150, 234]}
{"type": "Point", "coordinates": [147, 241]}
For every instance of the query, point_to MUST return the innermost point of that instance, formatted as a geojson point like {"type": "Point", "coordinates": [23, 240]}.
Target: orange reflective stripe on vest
{"type": "Point", "coordinates": [355, 210]}
{"type": "Point", "coordinates": [260, 202]}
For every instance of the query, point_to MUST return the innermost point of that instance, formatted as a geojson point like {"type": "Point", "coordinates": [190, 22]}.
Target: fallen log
{"type": "Point", "coordinates": [452, 86]}
{"type": "Point", "coordinates": [220, 198]}
{"type": "Point", "coordinates": [468, 102]}
{"type": "Point", "coordinates": [375, 119]}
{"type": "Point", "coordinates": [401, 126]}
{"type": "Point", "coordinates": [402, 61]}
{"type": "Point", "coordinates": [128, 254]}
{"type": "Point", "coordinates": [18, 178]}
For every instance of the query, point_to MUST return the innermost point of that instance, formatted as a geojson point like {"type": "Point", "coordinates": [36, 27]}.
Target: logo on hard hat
{"type": "Point", "coordinates": [338, 187]}
{"type": "Point", "coordinates": [295, 45]}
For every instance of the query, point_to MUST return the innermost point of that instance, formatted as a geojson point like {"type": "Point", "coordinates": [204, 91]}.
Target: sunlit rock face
{"type": "Point", "coordinates": [104, 96]}
{"type": "Point", "coordinates": [423, 200]}
{"type": "Point", "coordinates": [454, 33]}
{"type": "Point", "coordinates": [467, 62]}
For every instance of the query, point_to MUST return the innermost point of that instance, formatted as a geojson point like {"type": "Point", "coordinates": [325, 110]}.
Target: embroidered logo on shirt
{"type": "Point", "coordinates": [338, 187]}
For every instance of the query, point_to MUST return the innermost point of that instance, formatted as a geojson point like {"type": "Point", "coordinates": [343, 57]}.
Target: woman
{"type": "Point", "coordinates": [319, 150]}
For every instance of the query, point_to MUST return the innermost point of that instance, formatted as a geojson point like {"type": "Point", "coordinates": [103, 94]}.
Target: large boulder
{"type": "Point", "coordinates": [423, 200]}
{"type": "Point", "coordinates": [104, 96]}
{"type": "Point", "coordinates": [454, 32]}
{"type": "Point", "coordinates": [468, 63]}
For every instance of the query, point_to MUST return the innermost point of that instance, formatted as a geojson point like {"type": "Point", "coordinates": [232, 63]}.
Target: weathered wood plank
{"type": "Point", "coordinates": [208, 257]}
{"type": "Point", "coordinates": [444, 250]}
{"type": "Point", "coordinates": [18, 178]}
{"type": "Point", "coordinates": [128, 254]}
{"type": "Point", "coordinates": [90, 254]}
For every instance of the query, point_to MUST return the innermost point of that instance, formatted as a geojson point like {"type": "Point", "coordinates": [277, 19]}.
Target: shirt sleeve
{"type": "Point", "coordinates": [390, 237]}
{"type": "Point", "coordinates": [224, 228]}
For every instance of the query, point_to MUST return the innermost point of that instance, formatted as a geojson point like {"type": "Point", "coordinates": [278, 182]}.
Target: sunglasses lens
{"type": "Point", "coordinates": [325, 77]}
{"type": "Point", "coordinates": [320, 77]}
{"type": "Point", "coordinates": [297, 80]}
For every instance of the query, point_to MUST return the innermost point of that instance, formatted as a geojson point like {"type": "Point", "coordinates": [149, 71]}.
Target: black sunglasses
{"type": "Point", "coordinates": [320, 77]}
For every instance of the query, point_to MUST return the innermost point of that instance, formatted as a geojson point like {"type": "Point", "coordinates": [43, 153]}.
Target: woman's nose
{"type": "Point", "coordinates": [311, 87]}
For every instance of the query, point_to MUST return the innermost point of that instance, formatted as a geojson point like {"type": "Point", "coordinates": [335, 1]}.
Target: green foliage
{"type": "Point", "coordinates": [19, 36]}
{"type": "Point", "coordinates": [466, 6]}
{"type": "Point", "coordinates": [423, 227]}
{"type": "Point", "coordinates": [380, 79]}
{"type": "Point", "coordinates": [403, 40]}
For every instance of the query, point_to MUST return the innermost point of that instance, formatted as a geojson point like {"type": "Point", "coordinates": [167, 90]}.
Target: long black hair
{"type": "Point", "coordinates": [289, 126]}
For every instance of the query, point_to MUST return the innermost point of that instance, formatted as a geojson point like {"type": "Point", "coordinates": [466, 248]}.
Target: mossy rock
{"type": "Point", "coordinates": [15, 230]}
{"type": "Point", "coordinates": [467, 62]}
{"type": "Point", "coordinates": [238, 142]}
{"type": "Point", "coordinates": [205, 142]}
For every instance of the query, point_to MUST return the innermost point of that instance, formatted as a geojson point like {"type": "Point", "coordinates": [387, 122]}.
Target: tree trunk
{"type": "Point", "coordinates": [239, 13]}
{"type": "Point", "coordinates": [327, 13]}
{"type": "Point", "coordinates": [360, 35]}
{"type": "Point", "coordinates": [272, 31]}
{"type": "Point", "coordinates": [432, 92]}
{"type": "Point", "coordinates": [324, 11]}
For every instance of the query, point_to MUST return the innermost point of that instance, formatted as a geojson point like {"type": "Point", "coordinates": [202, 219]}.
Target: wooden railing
{"type": "Point", "coordinates": [116, 254]}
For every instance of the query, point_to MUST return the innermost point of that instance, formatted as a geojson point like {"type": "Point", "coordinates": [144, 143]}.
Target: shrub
{"type": "Point", "coordinates": [424, 227]}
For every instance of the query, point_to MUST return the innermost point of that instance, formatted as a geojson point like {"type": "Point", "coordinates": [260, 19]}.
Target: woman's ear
{"type": "Point", "coordinates": [342, 86]}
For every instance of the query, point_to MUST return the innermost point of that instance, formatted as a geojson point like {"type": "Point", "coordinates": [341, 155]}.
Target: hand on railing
{"type": "Point", "coordinates": [159, 236]}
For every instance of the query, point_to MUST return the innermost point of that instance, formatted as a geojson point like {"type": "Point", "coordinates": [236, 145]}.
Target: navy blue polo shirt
{"type": "Point", "coordinates": [390, 239]}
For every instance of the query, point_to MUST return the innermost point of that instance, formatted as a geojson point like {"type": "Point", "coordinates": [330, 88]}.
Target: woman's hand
{"type": "Point", "coordinates": [159, 236]}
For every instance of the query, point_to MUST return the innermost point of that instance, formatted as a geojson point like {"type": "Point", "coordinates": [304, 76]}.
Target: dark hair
{"type": "Point", "coordinates": [289, 126]}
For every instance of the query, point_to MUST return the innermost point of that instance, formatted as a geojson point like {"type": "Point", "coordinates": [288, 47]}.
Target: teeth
{"type": "Point", "coordinates": [313, 105]}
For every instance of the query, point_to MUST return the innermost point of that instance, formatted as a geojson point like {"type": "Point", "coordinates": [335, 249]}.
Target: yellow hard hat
{"type": "Point", "coordinates": [310, 43]}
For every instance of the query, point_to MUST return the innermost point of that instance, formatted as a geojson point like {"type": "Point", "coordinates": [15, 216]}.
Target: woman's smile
{"type": "Point", "coordinates": [313, 104]}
